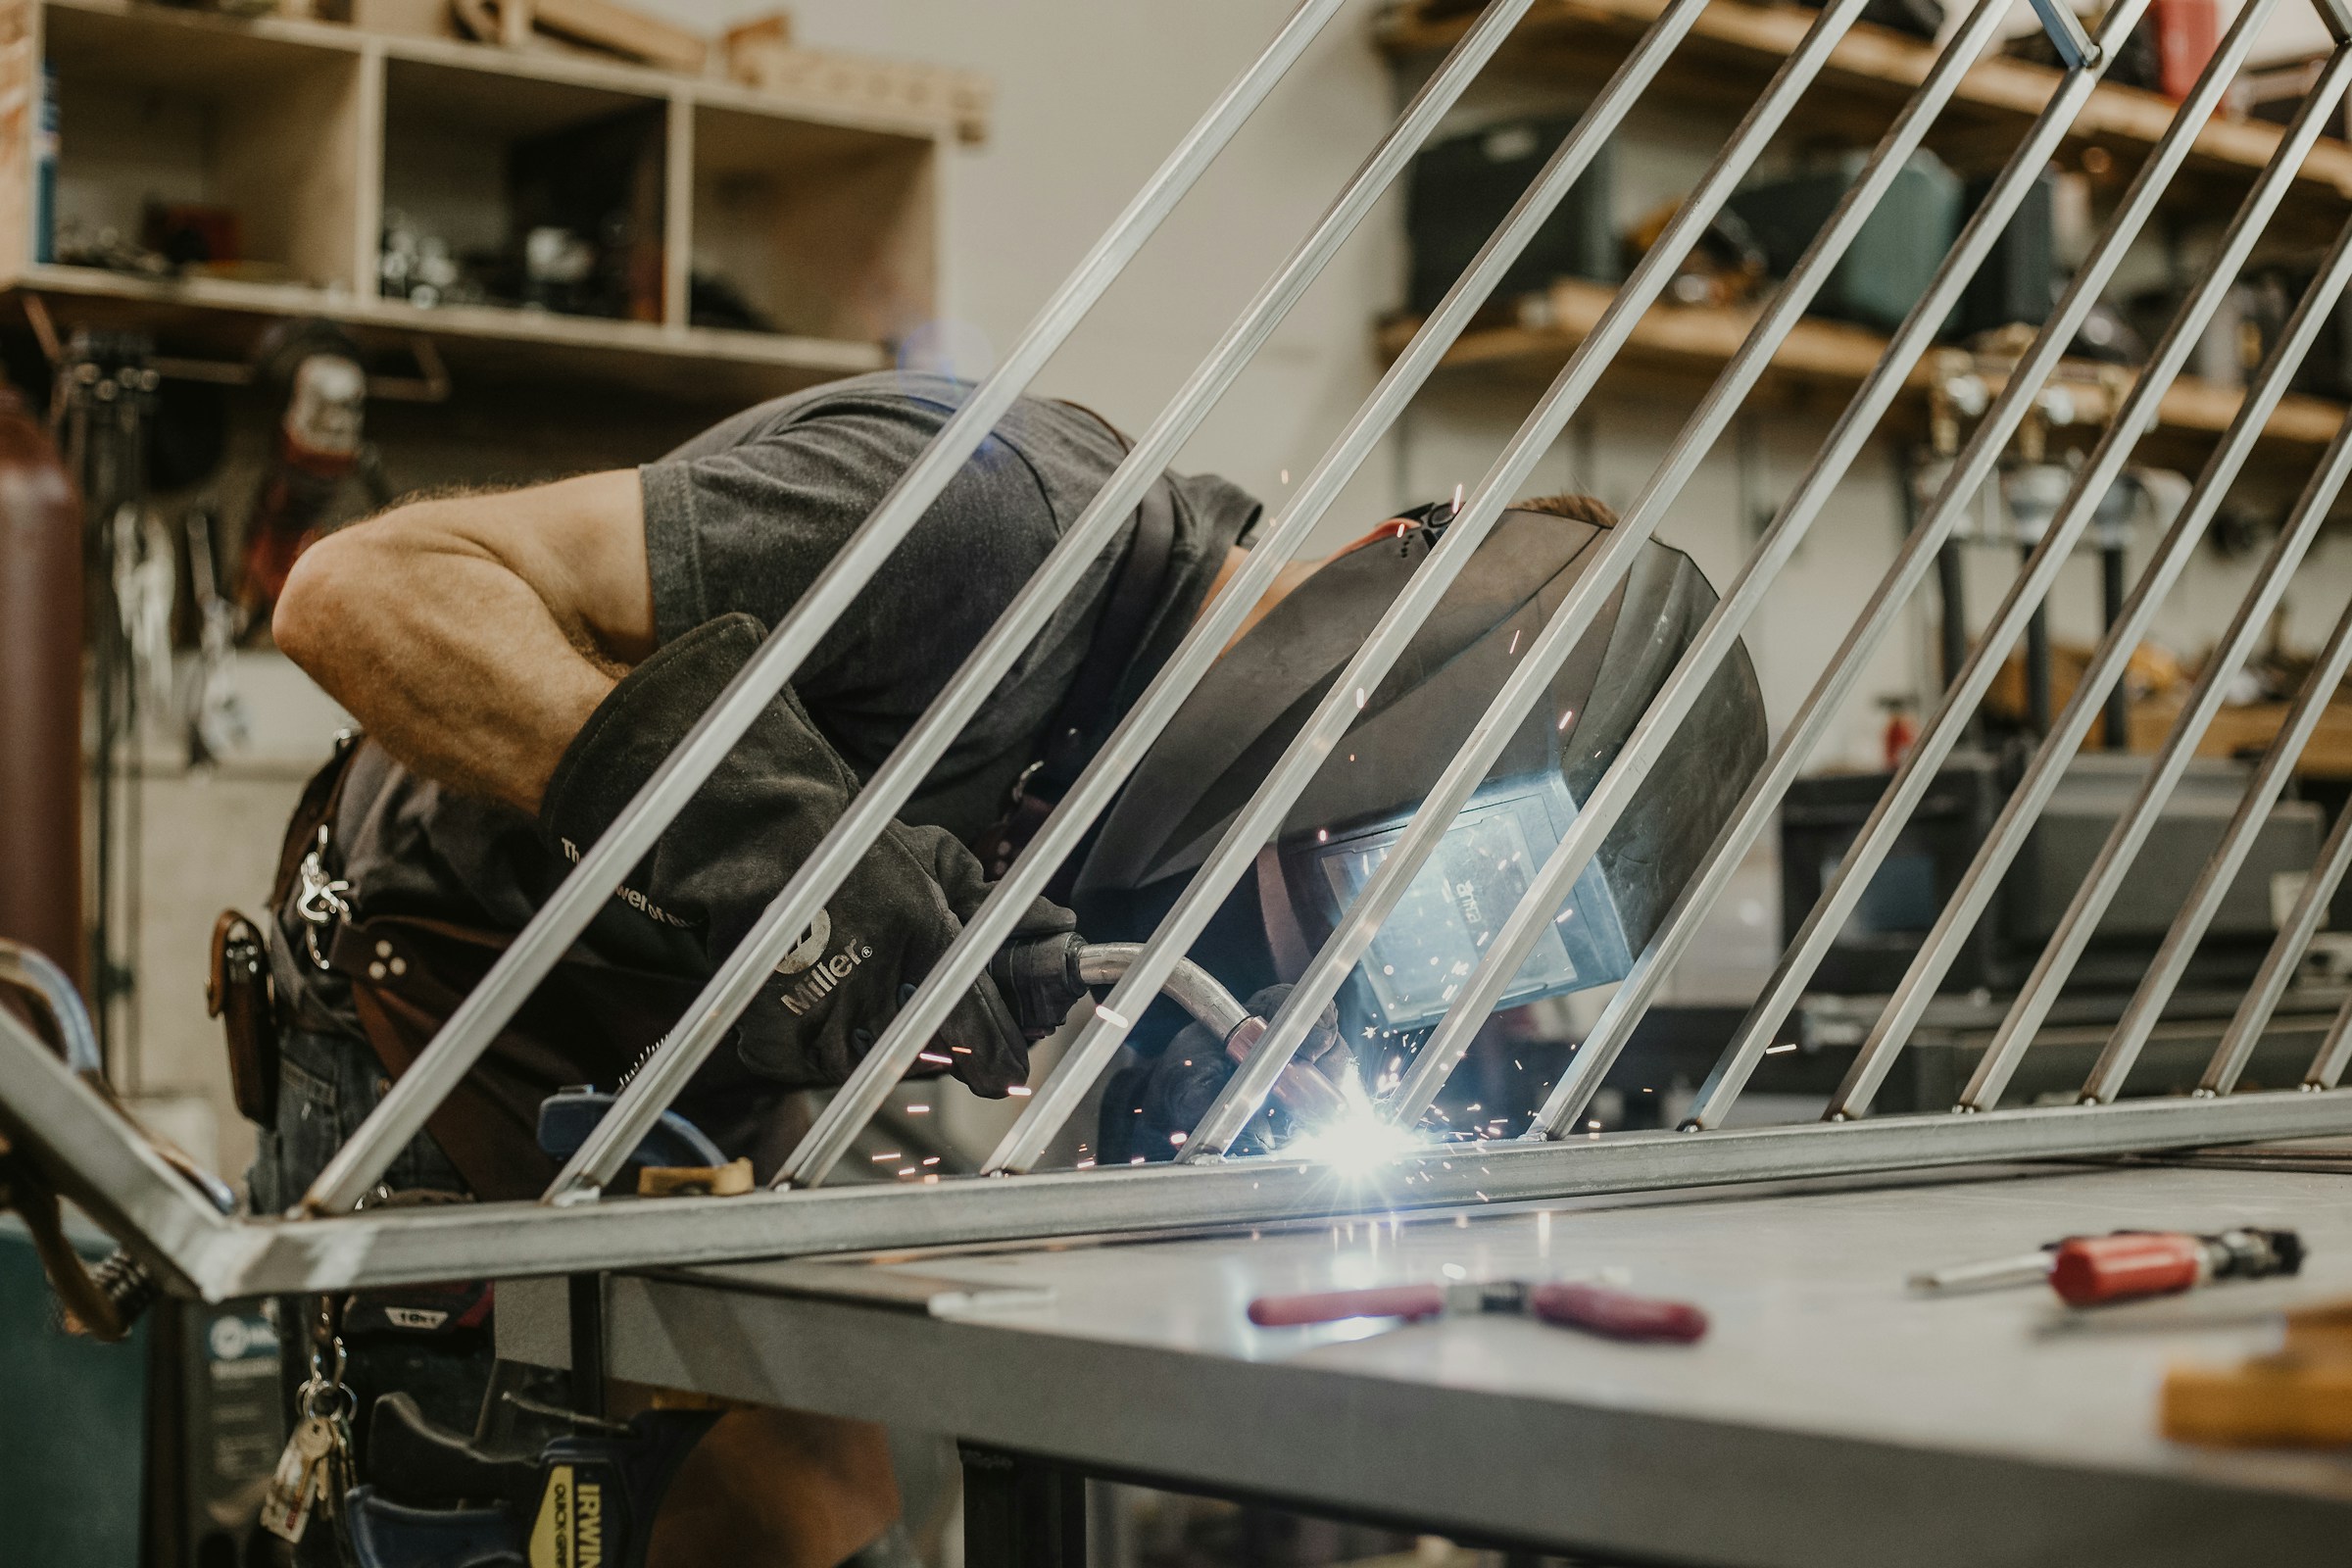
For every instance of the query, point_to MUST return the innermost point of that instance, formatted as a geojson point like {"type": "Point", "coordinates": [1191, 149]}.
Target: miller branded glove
{"type": "Point", "coordinates": [752, 824]}
{"type": "Point", "coordinates": [1147, 1107]}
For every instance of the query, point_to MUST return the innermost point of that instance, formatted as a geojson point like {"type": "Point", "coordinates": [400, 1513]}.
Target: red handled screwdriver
{"type": "Point", "coordinates": [2088, 1270]}
{"type": "Point", "coordinates": [1595, 1309]}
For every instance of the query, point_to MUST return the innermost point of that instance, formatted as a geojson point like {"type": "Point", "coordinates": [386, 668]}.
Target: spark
{"type": "Point", "coordinates": [907, 1171]}
{"type": "Point", "coordinates": [883, 1159]}
{"type": "Point", "coordinates": [1774, 1050]}
{"type": "Point", "coordinates": [931, 1180]}
{"type": "Point", "coordinates": [1457, 500]}
{"type": "Point", "coordinates": [1177, 1138]}
{"type": "Point", "coordinates": [1018, 1091]}
{"type": "Point", "coordinates": [1359, 698]}
{"type": "Point", "coordinates": [931, 1160]}
{"type": "Point", "coordinates": [918, 1110]}
{"type": "Point", "coordinates": [1514, 648]}
{"type": "Point", "coordinates": [1285, 476]}
{"type": "Point", "coordinates": [1117, 1021]}
{"type": "Point", "coordinates": [931, 1055]}
{"type": "Point", "coordinates": [1567, 716]}
{"type": "Point", "coordinates": [1322, 835]}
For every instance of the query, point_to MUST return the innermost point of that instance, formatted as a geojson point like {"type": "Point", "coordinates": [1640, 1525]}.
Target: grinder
{"type": "Point", "coordinates": [1257, 697]}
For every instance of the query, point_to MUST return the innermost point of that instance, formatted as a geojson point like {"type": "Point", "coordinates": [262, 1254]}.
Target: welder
{"type": "Point", "coordinates": [523, 661]}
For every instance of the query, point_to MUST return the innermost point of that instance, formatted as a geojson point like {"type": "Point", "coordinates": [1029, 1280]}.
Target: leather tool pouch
{"type": "Point", "coordinates": [237, 992]}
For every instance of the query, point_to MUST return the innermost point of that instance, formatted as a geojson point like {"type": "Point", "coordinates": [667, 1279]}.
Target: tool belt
{"type": "Point", "coordinates": [588, 1021]}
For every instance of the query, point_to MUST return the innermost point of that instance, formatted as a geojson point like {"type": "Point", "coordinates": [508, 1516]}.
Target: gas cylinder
{"type": "Point", "coordinates": [40, 691]}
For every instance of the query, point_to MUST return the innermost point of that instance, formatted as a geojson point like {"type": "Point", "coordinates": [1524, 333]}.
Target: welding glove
{"type": "Point", "coordinates": [1153, 1109]}
{"type": "Point", "coordinates": [757, 818]}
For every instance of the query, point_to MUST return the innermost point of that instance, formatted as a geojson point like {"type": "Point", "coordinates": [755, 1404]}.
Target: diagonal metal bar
{"type": "Point", "coordinates": [1531, 677]}
{"type": "Point", "coordinates": [2327, 1066]}
{"type": "Point", "coordinates": [1945, 728]}
{"type": "Point", "coordinates": [1854, 430]}
{"type": "Point", "coordinates": [736, 983]}
{"type": "Point", "coordinates": [1980, 884]}
{"type": "Point", "coordinates": [541, 944]}
{"type": "Point", "coordinates": [1258, 819]}
{"type": "Point", "coordinates": [2081, 921]}
{"type": "Point", "coordinates": [2066, 34]}
{"type": "Point", "coordinates": [2123, 842]}
{"type": "Point", "coordinates": [830, 1137]}
{"type": "Point", "coordinates": [2278, 965]}
{"type": "Point", "coordinates": [2221, 870]}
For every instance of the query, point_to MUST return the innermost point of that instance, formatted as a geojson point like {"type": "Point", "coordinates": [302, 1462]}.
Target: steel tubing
{"type": "Point", "coordinates": [1981, 882]}
{"type": "Point", "coordinates": [1531, 677]}
{"type": "Point", "coordinates": [2220, 869]}
{"type": "Point", "coordinates": [2172, 760]}
{"type": "Point", "coordinates": [2327, 1066]}
{"type": "Point", "coordinates": [535, 951]}
{"type": "Point", "coordinates": [1258, 819]}
{"type": "Point", "coordinates": [2278, 965]}
{"type": "Point", "coordinates": [858, 1099]}
{"type": "Point", "coordinates": [1811, 941]}
{"type": "Point", "coordinates": [1855, 429]}
{"type": "Point", "coordinates": [737, 980]}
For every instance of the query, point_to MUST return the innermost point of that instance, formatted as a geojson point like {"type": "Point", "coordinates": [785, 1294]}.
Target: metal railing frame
{"type": "Point", "coordinates": [99, 1158]}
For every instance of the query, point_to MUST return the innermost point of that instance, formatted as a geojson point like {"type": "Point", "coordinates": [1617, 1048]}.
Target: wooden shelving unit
{"type": "Point", "coordinates": [1698, 340]}
{"type": "Point", "coordinates": [1570, 45]}
{"type": "Point", "coordinates": [823, 215]}
{"type": "Point", "coordinates": [1734, 45]}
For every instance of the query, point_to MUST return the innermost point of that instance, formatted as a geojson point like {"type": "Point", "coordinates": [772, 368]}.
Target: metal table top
{"type": "Point", "coordinates": [1829, 1418]}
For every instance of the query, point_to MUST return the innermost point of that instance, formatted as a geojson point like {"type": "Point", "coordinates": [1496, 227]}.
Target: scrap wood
{"type": "Point", "coordinates": [760, 54]}
{"type": "Point", "coordinates": [2299, 1396]}
{"type": "Point", "coordinates": [602, 23]}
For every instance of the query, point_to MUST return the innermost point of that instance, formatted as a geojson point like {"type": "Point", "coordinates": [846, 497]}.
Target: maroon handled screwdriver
{"type": "Point", "coordinates": [1595, 1309]}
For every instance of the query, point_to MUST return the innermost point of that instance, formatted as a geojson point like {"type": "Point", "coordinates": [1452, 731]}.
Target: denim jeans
{"type": "Point", "coordinates": [327, 1084]}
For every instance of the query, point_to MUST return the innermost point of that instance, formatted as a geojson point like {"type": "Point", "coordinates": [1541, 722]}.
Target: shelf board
{"type": "Point", "coordinates": [222, 316]}
{"type": "Point", "coordinates": [1870, 71]}
{"type": "Point", "coordinates": [155, 24]}
{"type": "Point", "coordinates": [1698, 340]}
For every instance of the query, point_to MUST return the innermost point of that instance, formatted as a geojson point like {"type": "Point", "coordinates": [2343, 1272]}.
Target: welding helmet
{"type": "Point", "coordinates": [1218, 750]}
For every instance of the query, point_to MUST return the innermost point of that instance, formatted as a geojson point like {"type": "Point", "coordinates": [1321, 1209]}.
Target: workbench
{"type": "Point", "coordinates": [1829, 1418]}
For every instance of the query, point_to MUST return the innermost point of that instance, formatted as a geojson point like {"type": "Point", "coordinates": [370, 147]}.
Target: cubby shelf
{"type": "Point", "coordinates": [1698, 339]}
{"type": "Point", "coordinates": [823, 215]}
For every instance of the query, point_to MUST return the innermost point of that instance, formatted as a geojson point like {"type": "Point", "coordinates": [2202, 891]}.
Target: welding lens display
{"type": "Point", "coordinates": [1431, 944]}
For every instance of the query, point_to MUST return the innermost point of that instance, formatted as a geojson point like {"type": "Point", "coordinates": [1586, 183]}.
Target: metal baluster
{"type": "Point", "coordinates": [736, 983]}
{"type": "Point", "coordinates": [2221, 870]}
{"type": "Point", "coordinates": [1812, 940]}
{"type": "Point", "coordinates": [2171, 761]}
{"type": "Point", "coordinates": [1981, 883]}
{"type": "Point", "coordinates": [1855, 429]}
{"type": "Point", "coordinates": [1258, 820]}
{"type": "Point", "coordinates": [856, 1103]}
{"type": "Point", "coordinates": [1958, 704]}
{"type": "Point", "coordinates": [1531, 677]}
{"type": "Point", "coordinates": [2278, 965]}
{"type": "Point", "coordinates": [541, 944]}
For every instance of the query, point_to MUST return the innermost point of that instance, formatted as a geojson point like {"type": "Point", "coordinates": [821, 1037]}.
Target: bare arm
{"type": "Point", "coordinates": [474, 636]}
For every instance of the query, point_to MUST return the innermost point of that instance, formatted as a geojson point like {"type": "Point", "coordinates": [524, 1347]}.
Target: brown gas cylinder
{"type": "Point", "coordinates": [40, 691]}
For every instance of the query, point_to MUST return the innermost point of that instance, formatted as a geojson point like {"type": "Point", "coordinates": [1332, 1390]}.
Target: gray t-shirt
{"type": "Point", "coordinates": [743, 517]}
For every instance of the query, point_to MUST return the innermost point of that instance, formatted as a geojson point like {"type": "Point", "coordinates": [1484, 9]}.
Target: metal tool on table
{"type": "Point", "coordinates": [2090, 1270]}
{"type": "Point", "coordinates": [1595, 1307]}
